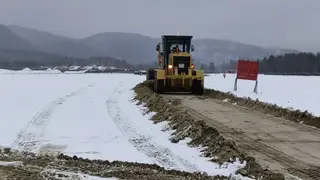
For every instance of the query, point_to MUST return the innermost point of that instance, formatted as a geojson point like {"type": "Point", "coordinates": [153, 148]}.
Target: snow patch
{"type": "Point", "coordinates": [292, 92]}
{"type": "Point", "coordinates": [65, 175]}
{"type": "Point", "coordinates": [81, 126]}
{"type": "Point", "coordinates": [11, 163]}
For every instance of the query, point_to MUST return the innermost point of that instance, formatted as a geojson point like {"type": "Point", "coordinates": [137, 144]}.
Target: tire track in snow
{"type": "Point", "coordinates": [162, 155]}
{"type": "Point", "coordinates": [29, 137]}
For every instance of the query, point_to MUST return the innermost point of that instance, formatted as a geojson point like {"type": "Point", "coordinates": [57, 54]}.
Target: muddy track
{"type": "Point", "coordinates": [297, 115]}
{"type": "Point", "coordinates": [29, 137]}
{"type": "Point", "coordinates": [292, 164]}
{"type": "Point", "coordinates": [283, 145]}
{"type": "Point", "coordinates": [161, 155]}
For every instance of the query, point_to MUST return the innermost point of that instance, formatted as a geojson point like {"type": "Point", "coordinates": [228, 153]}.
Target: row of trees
{"type": "Point", "coordinates": [13, 59]}
{"type": "Point", "coordinates": [211, 68]}
{"type": "Point", "coordinates": [292, 64]}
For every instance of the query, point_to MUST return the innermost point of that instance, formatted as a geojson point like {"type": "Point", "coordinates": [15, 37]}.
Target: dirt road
{"type": "Point", "coordinates": [281, 145]}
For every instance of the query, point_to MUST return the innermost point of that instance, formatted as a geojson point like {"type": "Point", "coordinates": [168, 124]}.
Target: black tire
{"type": "Point", "coordinates": [197, 87]}
{"type": "Point", "coordinates": [150, 74]}
{"type": "Point", "coordinates": [168, 83]}
{"type": "Point", "coordinates": [159, 86]}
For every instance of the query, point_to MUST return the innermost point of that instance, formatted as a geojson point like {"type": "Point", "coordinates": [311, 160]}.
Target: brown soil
{"type": "Point", "coordinates": [218, 148]}
{"type": "Point", "coordinates": [276, 143]}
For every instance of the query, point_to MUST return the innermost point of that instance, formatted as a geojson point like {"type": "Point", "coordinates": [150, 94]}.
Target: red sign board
{"type": "Point", "coordinates": [248, 70]}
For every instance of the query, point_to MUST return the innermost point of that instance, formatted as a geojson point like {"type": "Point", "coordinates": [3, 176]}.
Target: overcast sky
{"type": "Point", "coordinates": [282, 23]}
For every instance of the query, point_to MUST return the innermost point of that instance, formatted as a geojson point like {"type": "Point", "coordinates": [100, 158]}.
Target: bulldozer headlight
{"type": "Point", "coordinates": [170, 66]}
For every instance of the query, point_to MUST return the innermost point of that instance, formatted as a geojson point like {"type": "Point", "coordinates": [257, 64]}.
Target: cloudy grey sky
{"type": "Point", "coordinates": [282, 23]}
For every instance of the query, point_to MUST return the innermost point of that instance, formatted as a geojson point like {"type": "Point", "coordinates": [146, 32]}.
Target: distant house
{"type": "Point", "coordinates": [140, 72]}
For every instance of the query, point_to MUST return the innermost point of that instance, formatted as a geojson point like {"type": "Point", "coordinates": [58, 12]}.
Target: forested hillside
{"type": "Point", "coordinates": [136, 48]}
{"type": "Point", "coordinates": [21, 46]}
{"type": "Point", "coordinates": [13, 59]}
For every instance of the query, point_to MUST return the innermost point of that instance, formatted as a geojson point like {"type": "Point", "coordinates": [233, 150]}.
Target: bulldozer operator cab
{"type": "Point", "coordinates": [177, 72]}
{"type": "Point", "coordinates": [175, 49]}
{"type": "Point", "coordinates": [176, 53]}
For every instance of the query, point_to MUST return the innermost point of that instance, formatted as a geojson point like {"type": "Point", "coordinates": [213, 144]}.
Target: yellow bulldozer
{"type": "Point", "coordinates": [176, 72]}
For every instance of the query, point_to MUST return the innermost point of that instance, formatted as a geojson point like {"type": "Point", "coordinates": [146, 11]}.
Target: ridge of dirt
{"type": "Point", "coordinates": [29, 166]}
{"type": "Point", "coordinates": [219, 149]}
{"type": "Point", "coordinates": [297, 116]}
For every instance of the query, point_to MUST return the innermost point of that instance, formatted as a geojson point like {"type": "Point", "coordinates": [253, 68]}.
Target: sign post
{"type": "Point", "coordinates": [247, 70]}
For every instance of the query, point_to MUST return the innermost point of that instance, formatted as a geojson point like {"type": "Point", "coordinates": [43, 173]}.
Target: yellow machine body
{"type": "Point", "coordinates": [177, 72]}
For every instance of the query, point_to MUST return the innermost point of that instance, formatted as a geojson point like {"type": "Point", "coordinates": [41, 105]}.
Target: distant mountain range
{"type": "Point", "coordinates": [134, 48]}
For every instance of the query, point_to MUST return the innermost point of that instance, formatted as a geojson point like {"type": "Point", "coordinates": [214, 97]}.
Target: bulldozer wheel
{"type": "Point", "coordinates": [197, 87]}
{"type": "Point", "coordinates": [150, 74]}
{"type": "Point", "coordinates": [159, 86]}
{"type": "Point", "coordinates": [168, 83]}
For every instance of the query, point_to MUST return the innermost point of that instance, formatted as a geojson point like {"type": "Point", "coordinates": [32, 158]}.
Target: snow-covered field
{"type": "Point", "coordinates": [94, 116]}
{"type": "Point", "coordinates": [91, 116]}
{"type": "Point", "coordinates": [297, 92]}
